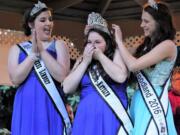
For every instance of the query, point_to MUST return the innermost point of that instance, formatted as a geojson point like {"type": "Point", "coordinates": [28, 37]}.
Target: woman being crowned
{"type": "Point", "coordinates": [101, 75]}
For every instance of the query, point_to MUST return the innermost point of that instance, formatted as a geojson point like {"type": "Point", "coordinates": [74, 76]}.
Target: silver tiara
{"type": "Point", "coordinates": [95, 20]}
{"type": "Point", "coordinates": [37, 7]}
{"type": "Point", "coordinates": [153, 4]}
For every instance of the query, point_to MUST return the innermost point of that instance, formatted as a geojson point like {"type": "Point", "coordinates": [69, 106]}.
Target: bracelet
{"type": "Point", "coordinates": [33, 56]}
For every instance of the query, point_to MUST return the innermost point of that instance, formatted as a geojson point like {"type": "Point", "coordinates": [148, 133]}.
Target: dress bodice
{"type": "Point", "coordinates": [86, 82]}
{"type": "Point", "coordinates": [157, 75]}
{"type": "Point", "coordinates": [160, 73]}
{"type": "Point", "coordinates": [51, 50]}
{"type": "Point", "coordinates": [88, 88]}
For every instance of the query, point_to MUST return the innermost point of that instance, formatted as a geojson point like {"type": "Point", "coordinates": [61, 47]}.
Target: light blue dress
{"type": "Point", "coordinates": [139, 111]}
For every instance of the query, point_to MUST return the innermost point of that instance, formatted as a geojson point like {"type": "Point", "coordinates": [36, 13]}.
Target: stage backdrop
{"type": "Point", "coordinates": [10, 37]}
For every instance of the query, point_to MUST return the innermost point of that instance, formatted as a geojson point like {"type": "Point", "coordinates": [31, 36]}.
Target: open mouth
{"type": "Point", "coordinates": [47, 31]}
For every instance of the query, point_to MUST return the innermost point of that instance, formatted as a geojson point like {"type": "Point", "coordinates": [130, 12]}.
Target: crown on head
{"type": "Point", "coordinates": [95, 20]}
{"type": "Point", "coordinates": [37, 7]}
{"type": "Point", "coordinates": [152, 3]}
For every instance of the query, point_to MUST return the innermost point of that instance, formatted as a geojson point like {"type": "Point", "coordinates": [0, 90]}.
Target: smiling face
{"type": "Point", "coordinates": [96, 40]}
{"type": "Point", "coordinates": [43, 25]}
{"type": "Point", "coordinates": [148, 24]}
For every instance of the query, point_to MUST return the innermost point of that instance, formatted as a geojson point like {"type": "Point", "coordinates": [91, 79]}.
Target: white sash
{"type": "Point", "coordinates": [48, 84]}
{"type": "Point", "coordinates": [115, 104]}
{"type": "Point", "coordinates": [157, 108]}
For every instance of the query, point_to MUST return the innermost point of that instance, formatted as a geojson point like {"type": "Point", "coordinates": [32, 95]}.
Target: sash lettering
{"type": "Point", "coordinates": [47, 82]}
{"type": "Point", "coordinates": [103, 89]}
{"type": "Point", "coordinates": [37, 64]}
{"type": "Point", "coordinates": [154, 105]}
{"type": "Point", "coordinates": [44, 76]}
{"type": "Point", "coordinates": [113, 101]}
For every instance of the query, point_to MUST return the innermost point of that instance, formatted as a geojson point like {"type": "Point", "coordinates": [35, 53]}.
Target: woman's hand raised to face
{"type": "Point", "coordinates": [40, 46]}
{"type": "Point", "coordinates": [97, 52]}
{"type": "Point", "coordinates": [37, 46]}
{"type": "Point", "coordinates": [34, 42]}
{"type": "Point", "coordinates": [87, 54]}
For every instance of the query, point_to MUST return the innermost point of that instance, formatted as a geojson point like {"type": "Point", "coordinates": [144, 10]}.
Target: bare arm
{"type": "Point", "coordinates": [72, 81]}
{"type": "Point", "coordinates": [115, 69]}
{"type": "Point", "coordinates": [58, 68]}
{"type": "Point", "coordinates": [164, 50]}
{"type": "Point", "coordinates": [18, 72]}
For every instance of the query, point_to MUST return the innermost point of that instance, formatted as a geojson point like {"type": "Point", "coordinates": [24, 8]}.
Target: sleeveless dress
{"type": "Point", "coordinates": [94, 116]}
{"type": "Point", "coordinates": [33, 110]}
{"type": "Point", "coordinates": [139, 112]}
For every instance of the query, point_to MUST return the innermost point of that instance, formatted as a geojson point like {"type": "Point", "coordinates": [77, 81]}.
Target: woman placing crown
{"type": "Point", "coordinates": [101, 75]}
{"type": "Point", "coordinates": [150, 108]}
{"type": "Point", "coordinates": [37, 66]}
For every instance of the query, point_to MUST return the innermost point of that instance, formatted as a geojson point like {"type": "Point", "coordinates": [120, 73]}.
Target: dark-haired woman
{"type": "Point", "coordinates": [150, 108]}
{"type": "Point", "coordinates": [37, 66]}
{"type": "Point", "coordinates": [99, 71]}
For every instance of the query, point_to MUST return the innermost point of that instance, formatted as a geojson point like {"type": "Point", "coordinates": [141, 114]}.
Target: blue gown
{"type": "Point", "coordinates": [94, 116]}
{"type": "Point", "coordinates": [139, 112]}
{"type": "Point", "coordinates": [33, 110]}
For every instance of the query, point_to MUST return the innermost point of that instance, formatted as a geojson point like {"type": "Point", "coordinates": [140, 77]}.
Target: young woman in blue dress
{"type": "Point", "coordinates": [37, 67]}
{"type": "Point", "coordinates": [101, 76]}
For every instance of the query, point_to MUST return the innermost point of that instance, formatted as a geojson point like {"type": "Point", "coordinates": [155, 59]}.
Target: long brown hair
{"type": "Point", "coordinates": [165, 29]}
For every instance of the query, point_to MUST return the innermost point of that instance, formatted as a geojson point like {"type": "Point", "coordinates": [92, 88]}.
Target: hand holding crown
{"type": "Point", "coordinates": [95, 20]}
{"type": "Point", "coordinates": [117, 34]}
